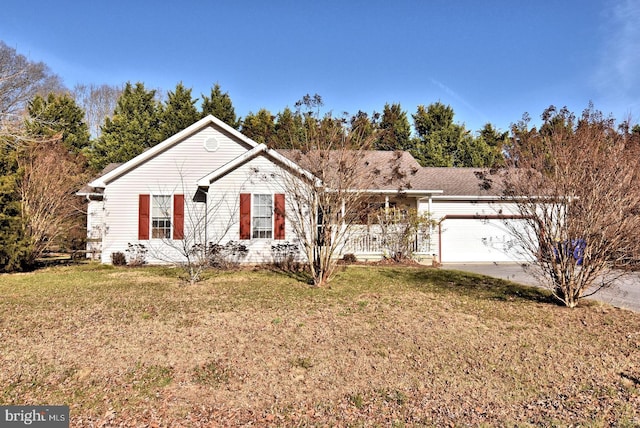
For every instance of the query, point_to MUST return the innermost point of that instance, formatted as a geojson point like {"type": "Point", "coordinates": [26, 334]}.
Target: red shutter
{"type": "Point", "coordinates": [178, 216]}
{"type": "Point", "coordinates": [278, 213]}
{"type": "Point", "coordinates": [245, 215]}
{"type": "Point", "coordinates": [144, 206]}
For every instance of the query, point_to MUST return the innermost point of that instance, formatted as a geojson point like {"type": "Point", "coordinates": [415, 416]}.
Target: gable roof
{"type": "Point", "coordinates": [245, 157]}
{"type": "Point", "coordinates": [388, 171]}
{"type": "Point", "coordinates": [104, 179]}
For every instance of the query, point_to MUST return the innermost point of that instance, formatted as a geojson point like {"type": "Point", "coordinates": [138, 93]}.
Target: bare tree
{"type": "Point", "coordinates": [198, 244]}
{"type": "Point", "coordinates": [575, 184]}
{"type": "Point", "coordinates": [47, 179]}
{"type": "Point", "coordinates": [399, 230]}
{"type": "Point", "coordinates": [327, 206]}
{"type": "Point", "coordinates": [98, 102]}
{"type": "Point", "coordinates": [20, 80]}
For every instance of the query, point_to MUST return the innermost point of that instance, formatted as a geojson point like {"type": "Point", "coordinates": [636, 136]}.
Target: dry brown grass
{"type": "Point", "coordinates": [384, 346]}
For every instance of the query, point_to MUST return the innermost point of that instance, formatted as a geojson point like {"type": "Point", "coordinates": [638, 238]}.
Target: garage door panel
{"type": "Point", "coordinates": [473, 240]}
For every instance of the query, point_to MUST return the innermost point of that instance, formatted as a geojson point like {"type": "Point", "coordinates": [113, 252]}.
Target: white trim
{"type": "Point", "coordinates": [471, 198]}
{"type": "Point", "coordinates": [231, 165]}
{"type": "Point", "coordinates": [171, 216]}
{"type": "Point", "coordinates": [101, 182]}
{"type": "Point", "coordinates": [247, 156]}
{"type": "Point", "coordinates": [408, 192]}
{"type": "Point", "coordinates": [273, 217]}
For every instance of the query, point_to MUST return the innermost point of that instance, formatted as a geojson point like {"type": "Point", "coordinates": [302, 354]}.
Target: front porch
{"type": "Point", "coordinates": [368, 245]}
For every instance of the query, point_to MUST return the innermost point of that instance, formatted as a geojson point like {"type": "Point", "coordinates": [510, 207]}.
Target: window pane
{"type": "Point", "coordinates": [262, 216]}
{"type": "Point", "coordinates": [161, 217]}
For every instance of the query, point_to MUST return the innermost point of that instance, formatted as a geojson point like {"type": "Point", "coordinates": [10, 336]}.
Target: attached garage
{"type": "Point", "coordinates": [479, 239]}
{"type": "Point", "coordinates": [475, 221]}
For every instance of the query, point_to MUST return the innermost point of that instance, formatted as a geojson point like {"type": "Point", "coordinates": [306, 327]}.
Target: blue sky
{"type": "Point", "coordinates": [491, 61]}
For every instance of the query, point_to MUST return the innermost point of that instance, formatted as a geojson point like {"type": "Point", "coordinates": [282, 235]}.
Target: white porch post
{"type": "Point", "coordinates": [429, 207]}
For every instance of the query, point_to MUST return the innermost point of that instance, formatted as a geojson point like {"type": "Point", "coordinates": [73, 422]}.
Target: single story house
{"type": "Point", "coordinates": [210, 182]}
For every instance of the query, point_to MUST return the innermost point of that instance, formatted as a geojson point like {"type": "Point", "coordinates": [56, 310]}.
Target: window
{"type": "Point", "coordinates": [161, 217]}
{"type": "Point", "coordinates": [155, 216]}
{"type": "Point", "coordinates": [262, 216]}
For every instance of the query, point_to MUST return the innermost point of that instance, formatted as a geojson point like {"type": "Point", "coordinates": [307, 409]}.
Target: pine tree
{"type": "Point", "coordinates": [134, 127]}
{"type": "Point", "coordinates": [179, 112]}
{"type": "Point", "coordinates": [441, 142]}
{"type": "Point", "coordinates": [14, 244]}
{"type": "Point", "coordinates": [395, 130]}
{"type": "Point", "coordinates": [58, 115]}
{"type": "Point", "coordinates": [363, 125]}
{"type": "Point", "coordinates": [260, 127]}
{"type": "Point", "coordinates": [219, 105]}
{"type": "Point", "coordinates": [288, 130]}
{"type": "Point", "coordinates": [496, 142]}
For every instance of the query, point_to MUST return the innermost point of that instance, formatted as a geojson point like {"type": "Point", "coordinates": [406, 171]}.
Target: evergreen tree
{"type": "Point", "coordinates": [178, 113]}
{"type": "Point", "coordinates": [438, 136]}
{"type": "Point", "coordinates": [58, 115]}
{"type": "Point", "coordinates": [496, 142]}
{"type": "Point", "coordinates": [395, 130]}
{"type": "Point", "coordinates": [219, 105]}
{"type": "Point", "coordinates": [364, 126]}
{"type": "Point", "coordinates": [134, 127]}
{"type": "Point", "coordinates": [288, 130]}
{"type": "Point", "coordinates": [441, 142]}
{"type": "Point", "coordinates": [260, 127]}
{"type": "Point", "coordinates": [14, 244]}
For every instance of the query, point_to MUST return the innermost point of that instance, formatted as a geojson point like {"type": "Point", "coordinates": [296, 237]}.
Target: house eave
{"type": "Point", "coordinates": [166, 144]}
{"type": "Point", "coordinates": [245, 157]}
{"type": "Point", "coordinates": [470, 197]}
{"type": "Point", "coordinates": [407, 192]}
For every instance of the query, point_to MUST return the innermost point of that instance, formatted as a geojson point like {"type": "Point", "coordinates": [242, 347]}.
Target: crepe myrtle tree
{"type": "Point", "coordinates": [399, 229]}
{"type": "Point", "coordinates": [199, 224]}
{"type": "Point", "coordinates": [575, 184]}
{"type": "Point", "coordinates": [327, 203]}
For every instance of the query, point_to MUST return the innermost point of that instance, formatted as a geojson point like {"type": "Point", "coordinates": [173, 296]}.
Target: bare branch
{"type": "Point", "coordinates": [575, 183]}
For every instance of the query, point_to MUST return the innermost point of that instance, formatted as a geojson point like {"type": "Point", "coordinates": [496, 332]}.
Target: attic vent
{"type": "Point", "coordinates": [211, 144]}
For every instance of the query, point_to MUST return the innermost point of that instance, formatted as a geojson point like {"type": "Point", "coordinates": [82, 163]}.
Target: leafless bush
{"type": "Point", "coordinates": [575, 184]}
{"type": "Point", "coordinates": [227, 256]}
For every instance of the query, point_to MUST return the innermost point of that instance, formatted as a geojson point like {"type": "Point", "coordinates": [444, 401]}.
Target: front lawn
{"type": "Point", "coordinates": [383, 346]}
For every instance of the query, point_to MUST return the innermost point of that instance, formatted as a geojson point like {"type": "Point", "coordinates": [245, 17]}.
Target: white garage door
{"type": "Point", "coordinates": [472, 240]}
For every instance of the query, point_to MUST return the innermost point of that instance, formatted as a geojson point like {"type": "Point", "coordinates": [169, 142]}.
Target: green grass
{"type": "Point", "coordinates": [382, 345]}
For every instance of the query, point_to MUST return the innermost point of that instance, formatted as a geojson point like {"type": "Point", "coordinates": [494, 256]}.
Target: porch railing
{"type": "Point", "coordinates": [368, 242]}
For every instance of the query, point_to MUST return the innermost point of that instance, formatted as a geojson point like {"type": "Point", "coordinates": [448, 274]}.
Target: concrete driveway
{"type": "Point", "coordinates": [624, 294]}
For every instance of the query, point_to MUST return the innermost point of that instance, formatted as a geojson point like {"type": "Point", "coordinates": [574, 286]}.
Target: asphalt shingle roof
{"type": "Point", "coordinates": [393, 170]}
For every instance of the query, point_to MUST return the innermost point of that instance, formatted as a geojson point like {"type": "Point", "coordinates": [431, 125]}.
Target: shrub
{"type": "Point", "coordinates": [137, 254]}
{"type": "Point", "coordinates": [118, 259]}
{"type": "Point", "coordinates": [226, 256]}
{"type": "Point", "coordinates": [285, 257]}
{"type": "Point", "coordinates": [349, 258]}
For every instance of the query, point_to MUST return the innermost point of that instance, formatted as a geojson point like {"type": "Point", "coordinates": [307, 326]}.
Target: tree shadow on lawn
{"type": "Point", "coordinates": [471, 285]}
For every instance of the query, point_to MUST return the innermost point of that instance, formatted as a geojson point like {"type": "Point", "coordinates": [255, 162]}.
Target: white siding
{"type": "Point", "coordinates": [175, 171]}
{"type": "Point", "coordinates": [258, 176]}
{"type": "Point", "coordinates": [95, 227]}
